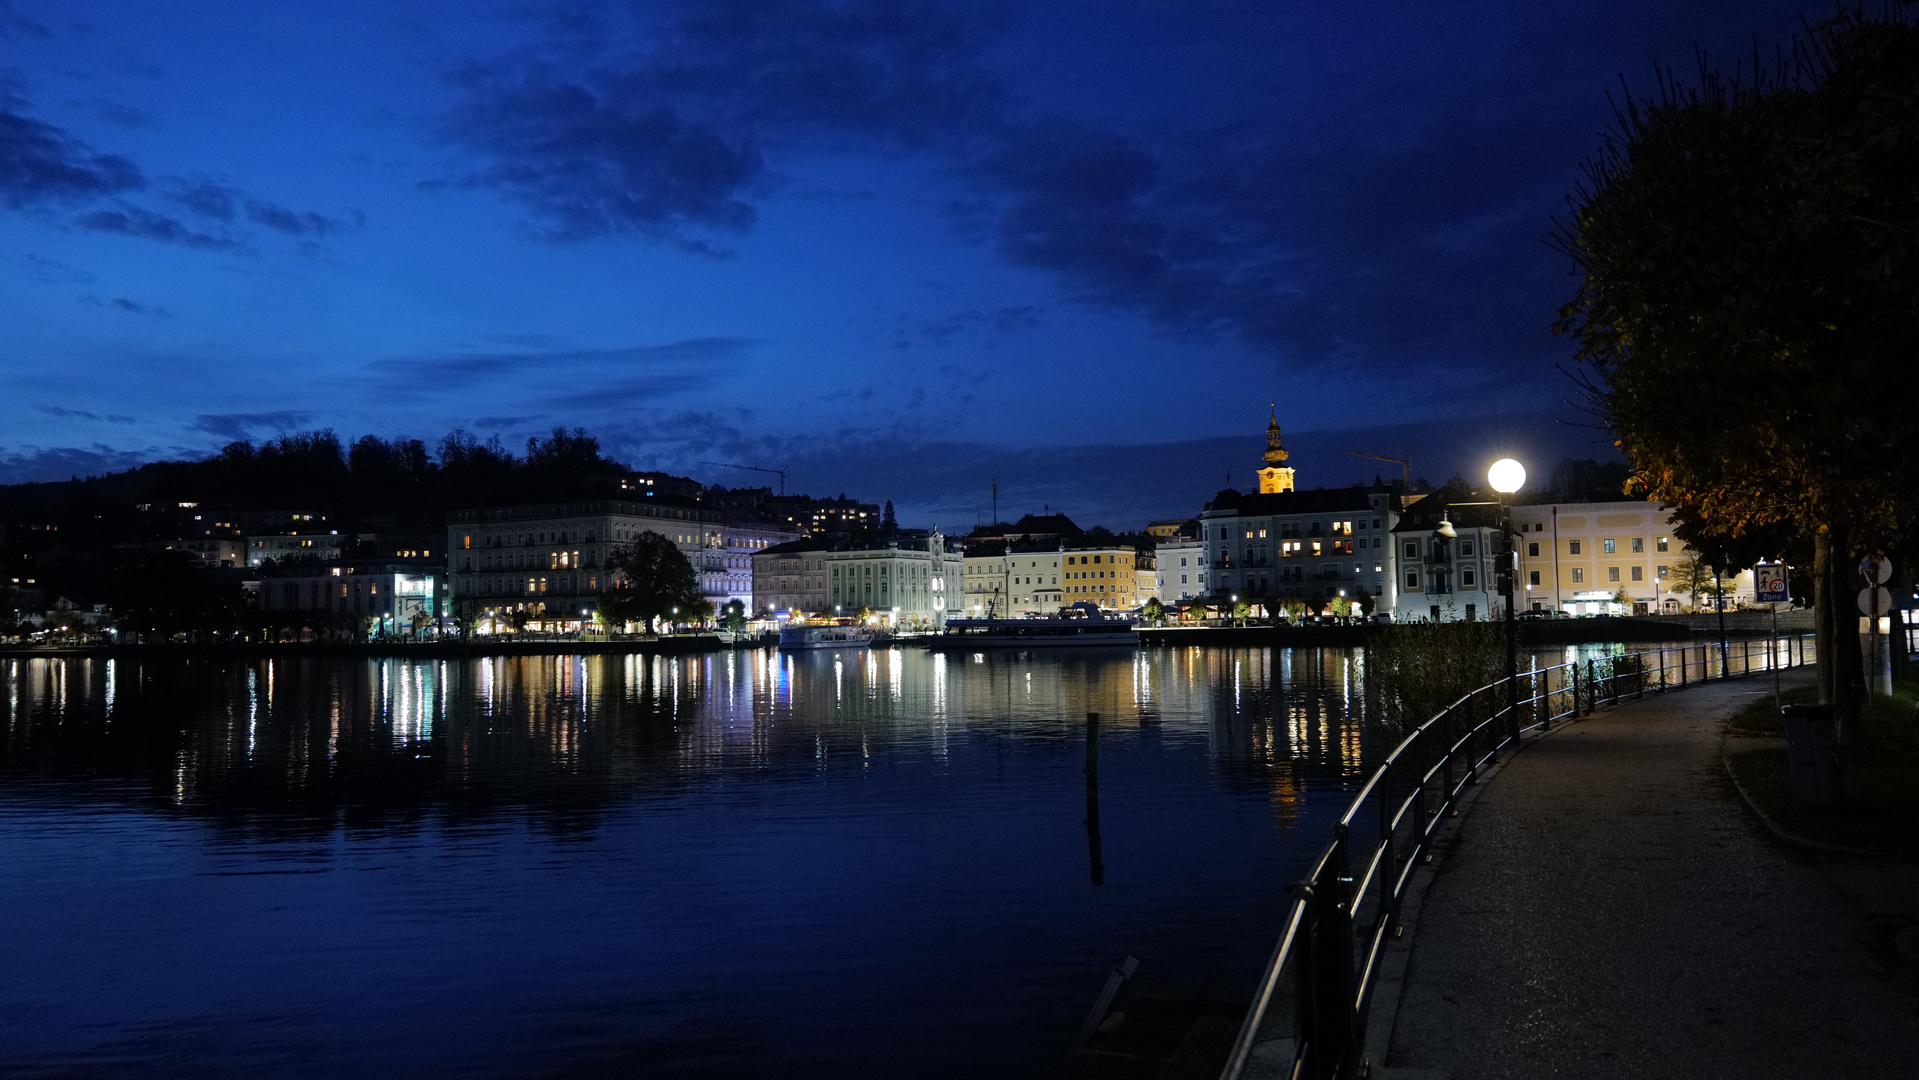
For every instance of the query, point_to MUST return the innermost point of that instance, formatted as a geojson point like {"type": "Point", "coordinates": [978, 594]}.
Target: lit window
{"type": "Point", "coordinates": [1606, 546]}
{"type": "Point", "coordinates": [1638, 544]}
{"type": "Point", "coordinates": [1579, 574]}
{"type": "Point", "coordinates": [1659, 544]}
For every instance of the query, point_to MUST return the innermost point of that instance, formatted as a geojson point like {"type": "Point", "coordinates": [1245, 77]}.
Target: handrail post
{"type": "Point", "coordinates": [1662, 671]}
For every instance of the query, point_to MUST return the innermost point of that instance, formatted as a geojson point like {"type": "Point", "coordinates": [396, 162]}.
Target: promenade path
{"type": "Point", "coordinates": [1609, 907]}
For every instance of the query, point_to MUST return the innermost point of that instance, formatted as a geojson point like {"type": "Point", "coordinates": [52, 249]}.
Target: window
{"type": "Point", "coordinates": [1638, 544]}
{"type": "Point", "coordinates": [1606, 545]}
{"type": "Point", "coordinates": [1612, 573]}
{"type": "Point", "coordinates": [1579, 574]}
{"type": "Point", "coordinates": [1532, 578]}
{"type": "Point", "coordinates": [1659, 544]}
{"type": "Point", "coordinates": [1412, 549]}
{"type": "Point", "coordinates": [1465, 546]}
{"type": "Point", "coordinates": [1660, 572]}
{"type": "Point", "coordinates": [1412, 579]}
{"type": "Point", "coordinates": [1467, 578]}
{"type": "Point", "coordinates": [1532, 550]}
{"type": "Point", "coordinates": [1639, 573]}
{"type": "Point", "coordinates": [1572, 547]}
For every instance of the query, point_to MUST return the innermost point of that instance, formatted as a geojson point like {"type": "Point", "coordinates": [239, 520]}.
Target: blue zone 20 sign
{"type": "Point", "coordinates": [1769, 584]}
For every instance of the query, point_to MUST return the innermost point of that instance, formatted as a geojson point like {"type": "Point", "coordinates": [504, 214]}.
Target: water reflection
{"type": "Point", "coordinates": [873, 863]}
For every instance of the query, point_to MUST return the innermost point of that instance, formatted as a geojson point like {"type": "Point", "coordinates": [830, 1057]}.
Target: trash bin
{"type": "Point", "coordinates": [1812, 754]}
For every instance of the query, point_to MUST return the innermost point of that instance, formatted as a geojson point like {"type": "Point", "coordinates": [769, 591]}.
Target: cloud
{"type": "Point", "coordinates": [41, 164]}
{"type": "Point", "coordinates": [134, 221]}
{"type": "Point", "coordinates": [660, 126]}
{"type": "Point", "coordinates": [13, 23]}
{"type": "Point", "coordinates": [237, 426]}
{"type": "Point", "coordinates": [35, 465]}
{"type": "Point", "coordinates": [997, 321]}
{"type": "Point", "coordinates": [116, 113]}
{"type": "Point", "coordinates": [131, 307]}
{"type": "Point", "coordinates": [53, 271]}
{"type": "Point", "coordinates": [82, 414]}
{"type": "Point", "coordinates": [601, 374]}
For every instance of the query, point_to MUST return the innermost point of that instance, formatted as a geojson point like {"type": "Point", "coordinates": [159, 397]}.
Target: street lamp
{"type": "Point", "coordinates": [1506, 477]}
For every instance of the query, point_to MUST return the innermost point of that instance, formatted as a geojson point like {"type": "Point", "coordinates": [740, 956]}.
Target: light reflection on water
{"type": "Point", "coordinates": [832, 864]}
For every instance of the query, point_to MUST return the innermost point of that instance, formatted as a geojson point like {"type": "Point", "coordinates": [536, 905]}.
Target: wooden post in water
{"type": "Point", "coordinates": [1092, 799]}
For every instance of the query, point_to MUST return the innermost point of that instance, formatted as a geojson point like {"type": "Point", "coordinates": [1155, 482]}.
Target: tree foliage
{"type": "Point", "coordinates": [1756, 234]}
{"type": "Point", "coordinates": [655, 583]}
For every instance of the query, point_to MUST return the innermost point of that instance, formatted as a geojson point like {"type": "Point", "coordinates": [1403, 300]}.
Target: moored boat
{"type": "Point", "coordinates": [1087, 629]}
{"type": "Point", "coordinates": [824, 637]}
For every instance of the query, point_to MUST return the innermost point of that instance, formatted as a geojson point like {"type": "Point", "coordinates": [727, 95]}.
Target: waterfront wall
{"type": "Point", "coordinates": [676, 645]}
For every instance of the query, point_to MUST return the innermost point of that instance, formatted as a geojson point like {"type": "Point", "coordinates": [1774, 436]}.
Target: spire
{"type": "Point", "coordinates": [1276, 454]}
{"type": "Point", "coordinates": [1274, 475]}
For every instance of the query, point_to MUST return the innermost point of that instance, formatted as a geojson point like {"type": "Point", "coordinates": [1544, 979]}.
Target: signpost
{"type": "Point", "coordinates": [1771, 587]}
{"type": "Point", "coordinates": [1875, 601]}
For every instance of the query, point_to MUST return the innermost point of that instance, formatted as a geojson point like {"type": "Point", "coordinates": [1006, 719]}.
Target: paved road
{"type": "Point", "coordinates": [1611, 909]}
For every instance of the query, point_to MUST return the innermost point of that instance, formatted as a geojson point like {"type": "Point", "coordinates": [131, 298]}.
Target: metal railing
{"type": "Point", "coordinates": [1308, 1015]}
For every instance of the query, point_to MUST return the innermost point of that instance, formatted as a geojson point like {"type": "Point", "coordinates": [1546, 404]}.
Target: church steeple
{"type": "Point", "coordinates": [1275, 476]}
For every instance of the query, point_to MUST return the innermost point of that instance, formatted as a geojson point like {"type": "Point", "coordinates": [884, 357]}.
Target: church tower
{"type": "Point", "coordinates": [1275, 476]}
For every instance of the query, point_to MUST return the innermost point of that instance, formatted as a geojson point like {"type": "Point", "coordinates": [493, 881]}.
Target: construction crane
{"type": "Point", "coordinates": [781, 473]}
{"type": "Point", "coordinates": [1405, 466]}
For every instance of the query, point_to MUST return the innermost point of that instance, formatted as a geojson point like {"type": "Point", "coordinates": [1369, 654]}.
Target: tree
{"type": "Point", "coordinates": [1752, 235]}
{"type": "Point", "coordinates": [888, 522]}
{"type": "Point", "coordinates": [652, 578]}
{"type": "Point", "coordinates": [735, 618]}
{"type": "Point", "coordinates": [1153, 611]}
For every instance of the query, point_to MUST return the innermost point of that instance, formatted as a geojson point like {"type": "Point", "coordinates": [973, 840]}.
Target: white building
{"type": "Point", "coordinates": [1446, 578]}
{"type": "Point", "coordinates": [983, 591]}
{"type": "Point", "coordinates": [394, 599]}
{"type": "Point", "coordinates": [913, 583]}
{"type": "Point", "coordinates": [1033, 571]}
{"type": "Point", "coordinates": [1311, 546]}
{"type": "Point", "coordinates": [1181, 571]}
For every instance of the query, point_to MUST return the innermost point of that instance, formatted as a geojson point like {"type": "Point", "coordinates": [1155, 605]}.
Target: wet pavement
{"type": "Point", "coordinates": [1608, 907]}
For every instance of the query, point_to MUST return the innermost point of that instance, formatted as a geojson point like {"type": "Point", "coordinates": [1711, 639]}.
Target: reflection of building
{"type": "Point", "coordinates": [908, 581]}
{"type": "Point", "coordinates": [1182, 570]}
{"type": "Point", "coordinates": [1579, 557]}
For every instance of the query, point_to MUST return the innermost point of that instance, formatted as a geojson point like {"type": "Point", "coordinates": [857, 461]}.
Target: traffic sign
{"type": "Point", "coordinates": [1876, 569]}
{"type": "Point", "coordinates": [1769, 584]}
{"type": "Point", "coordinates": [1875, 601]}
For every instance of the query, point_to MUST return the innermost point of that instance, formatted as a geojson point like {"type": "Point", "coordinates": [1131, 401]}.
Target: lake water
{"type": "Point", "coordinates": [867, 864]}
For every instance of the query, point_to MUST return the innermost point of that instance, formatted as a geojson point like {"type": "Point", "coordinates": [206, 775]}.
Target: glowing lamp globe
{"type": "Point", "coordinates": [1506, 476]}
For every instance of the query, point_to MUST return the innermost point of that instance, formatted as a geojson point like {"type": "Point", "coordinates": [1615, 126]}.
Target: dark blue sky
{"type": "Point", "coordinates": [904, 246]}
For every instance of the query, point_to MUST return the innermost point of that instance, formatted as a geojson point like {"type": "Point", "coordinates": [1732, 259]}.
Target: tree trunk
{"type": "Point", "coordinates": [1842, 678]}
{"type": "Point", "coordinates": [1822, 612]}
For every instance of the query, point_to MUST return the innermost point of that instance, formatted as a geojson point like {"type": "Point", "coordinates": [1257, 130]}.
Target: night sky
{"type": "Point", "coordinates": [904, 247]}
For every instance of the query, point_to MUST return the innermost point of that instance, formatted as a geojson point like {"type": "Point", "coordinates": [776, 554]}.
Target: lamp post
{"type": "Point", "coordinates": [1506, 477]}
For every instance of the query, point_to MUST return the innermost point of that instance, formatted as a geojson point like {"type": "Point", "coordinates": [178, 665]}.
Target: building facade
{"type": "Point", "coordinates": [1606, 557]}
{"type": "Point", "coordinates": [1033, 572]}
{"type": "Point", "coordinates": [1106, 575]}
{"type": "Point", "coordinates": [1311, 546]}
{"type": "Point", "coordinates": [404, 599]}
{"type": "Point", "coordinates": [790, 578]}
{"type": "Point", "coordinates": [984, 592]}
{"type": "Point", "coordinates": [914, 582]}
{"type": "Point", "coordinates": [548, 563]}
{"type": "Point", "coordinates": [1445, 578]}
{"type": "Point", "coordinates": [1181, 570]}
{"type": "Point", "coordinates": [295, 546]}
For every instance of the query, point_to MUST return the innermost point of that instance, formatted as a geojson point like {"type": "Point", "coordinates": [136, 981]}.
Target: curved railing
{"type": "Point", "coordinates": [1308, 1014]}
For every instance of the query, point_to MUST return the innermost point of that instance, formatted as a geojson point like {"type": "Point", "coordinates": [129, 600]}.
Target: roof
{"type": "Point", "coordinates": [1045, 524]}
{"type": "Point", "coordinates": [1454, 506]}
{"type": "Point", "coordinates": [795, 547]}
{"type": "Point", "coordinates": [1316, 501]}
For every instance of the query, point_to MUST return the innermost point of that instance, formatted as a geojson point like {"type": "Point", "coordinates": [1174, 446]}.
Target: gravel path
{"type": "Point", "coordinates": [1608, 907]}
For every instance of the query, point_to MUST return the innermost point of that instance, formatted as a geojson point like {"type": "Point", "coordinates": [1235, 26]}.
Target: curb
{"type": "Point", "coordinates": [1784, 836]}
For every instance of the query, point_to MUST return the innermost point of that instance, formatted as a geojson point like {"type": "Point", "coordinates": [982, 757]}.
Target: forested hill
{"type": "Point", "coordinates": [402, 484]}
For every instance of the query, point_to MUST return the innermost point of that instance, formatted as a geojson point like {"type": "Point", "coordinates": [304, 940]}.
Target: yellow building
{"type": "Point", "coordinates": [1106, 576]}
{"type": "Point", "coordinates": [1275, 476]}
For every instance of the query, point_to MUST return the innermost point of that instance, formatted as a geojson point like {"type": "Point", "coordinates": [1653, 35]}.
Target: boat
{"type": "Point", "coordinates": [1081, 628]}
{"type": "Point", "coordinates": [793, 638]}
